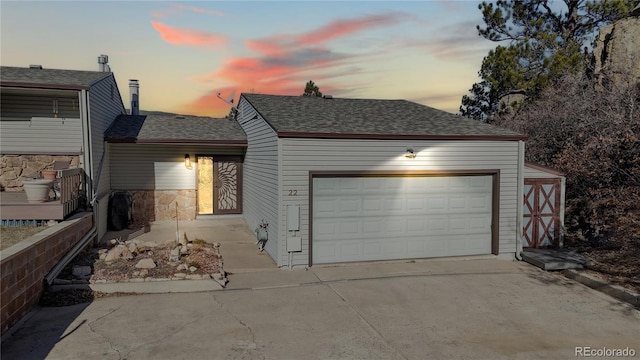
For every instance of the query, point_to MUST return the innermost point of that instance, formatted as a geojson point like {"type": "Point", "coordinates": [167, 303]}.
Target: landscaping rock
{"type": "Point", "coordinates": [146, 264]}
{"type": "Point", "coordinates": [144, 273]}
{"type": "Point", "coordinates": [118, 252]}
{"type": "Point", "coordinates": [192, 268]}
{"type": "Point", "coordinates": [184, 249]}
{"type": "Point", "coordinates": [174, 255]}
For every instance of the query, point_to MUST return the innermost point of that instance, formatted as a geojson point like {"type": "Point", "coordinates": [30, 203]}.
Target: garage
{"type": "Point", "coordinates": [363, 218]}
{"type": "Point", "coordinates": [342, 180]}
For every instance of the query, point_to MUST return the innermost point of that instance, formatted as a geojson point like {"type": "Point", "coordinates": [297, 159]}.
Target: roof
{"type": "Point", "coordinates": [543, 168]}
{"type": "Point", "coordinates": [298, 116]}
{"type": "Point", "coordinates": [49, 78]}
{"type": "Point", "coordinates": [175, 129]}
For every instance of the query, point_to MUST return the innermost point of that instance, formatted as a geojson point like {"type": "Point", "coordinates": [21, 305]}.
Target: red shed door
{"type": "Point", "coordinates": [541, 216]}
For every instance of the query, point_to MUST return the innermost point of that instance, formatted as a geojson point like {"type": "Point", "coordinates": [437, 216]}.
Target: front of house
{"type": "Point", "coordinates": [340, 180]}
{"type": "Point", "coordinates": [177, 166]}
{"type": "Point", "coordinates": [332, 180]}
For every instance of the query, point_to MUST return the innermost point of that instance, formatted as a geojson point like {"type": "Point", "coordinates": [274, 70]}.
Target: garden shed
{"type": "Point", "coordinates": [341, 180]}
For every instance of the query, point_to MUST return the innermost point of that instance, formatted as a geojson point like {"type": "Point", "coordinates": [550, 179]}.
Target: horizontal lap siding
{"type": "Point", "coordinates": [260, 174]}
{"type": "Point", "coordinates": [105, 104]}
{"type": "Point", "coordinates": [299, 156]}
{"type": "Point", "coordinates": [157, 167]}
{"type": "Point", "coordinates": [55, 136]}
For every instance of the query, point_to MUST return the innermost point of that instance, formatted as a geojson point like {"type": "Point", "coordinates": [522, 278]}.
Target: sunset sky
{"type": "Point", "coordinates": [185, 53]}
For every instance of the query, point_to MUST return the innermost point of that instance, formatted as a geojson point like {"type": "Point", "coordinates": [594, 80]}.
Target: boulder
{"type": "Point", "coordinates": [617, 50]}
{"type": "Point", "coordinates": [146, 264]}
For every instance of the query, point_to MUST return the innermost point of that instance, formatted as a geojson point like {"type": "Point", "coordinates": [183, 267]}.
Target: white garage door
{"type": "Point", "coordinates": [380, 218]}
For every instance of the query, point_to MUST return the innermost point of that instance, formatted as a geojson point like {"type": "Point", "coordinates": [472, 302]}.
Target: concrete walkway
{"type": "Point", "coordinates": [431, 309]}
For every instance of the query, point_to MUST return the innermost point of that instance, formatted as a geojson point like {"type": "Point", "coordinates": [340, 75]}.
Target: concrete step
{"type": "Point", "coordinates": [553, 259]}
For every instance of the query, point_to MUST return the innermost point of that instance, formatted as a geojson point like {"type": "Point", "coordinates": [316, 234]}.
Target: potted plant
{"type": "Point", "coordinates": [37, 190]}
{"type": "Point", "coordinates": [49, 174]}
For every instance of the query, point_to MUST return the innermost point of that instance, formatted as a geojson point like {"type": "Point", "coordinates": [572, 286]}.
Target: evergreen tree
{"type": "Point", "coordinates": [312, 90]}
{"type": "Point", "coordinates": [543, 41]}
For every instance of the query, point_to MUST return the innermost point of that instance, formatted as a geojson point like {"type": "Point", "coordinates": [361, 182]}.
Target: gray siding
{"type": "Point", "coordinates": [261, 177]}
{"type": "Point", "coordinates": [54, 136]}
{"type": "Point", "coordinates": [36, 103]}
{"type": "Point", "coordinates": [157, 167]}
{"type": "Point", "coordinates": [299, 156]}
{"type": "Point", "coordinates": [105, 104]}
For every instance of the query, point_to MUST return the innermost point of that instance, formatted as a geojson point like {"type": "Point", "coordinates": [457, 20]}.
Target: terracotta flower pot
{"type": "Point", "coordinates": [49, 174]}
{"type": "Point", "coordinates": [37, 191]}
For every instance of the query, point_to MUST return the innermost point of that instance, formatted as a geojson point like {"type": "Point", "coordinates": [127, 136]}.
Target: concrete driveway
{"type": "Point", "coordinates": [437, 309]}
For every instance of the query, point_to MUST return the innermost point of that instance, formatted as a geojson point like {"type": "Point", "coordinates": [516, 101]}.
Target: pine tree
{"type": "Point", "coordinates": [543, 40]}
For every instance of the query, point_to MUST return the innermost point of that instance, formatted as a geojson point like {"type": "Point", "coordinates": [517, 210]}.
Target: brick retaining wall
{"type": "Point", "coordinates": [24, 266]}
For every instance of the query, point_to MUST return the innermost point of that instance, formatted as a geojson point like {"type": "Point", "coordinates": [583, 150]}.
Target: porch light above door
{"type": "Point", "coordinates": [187, 161]}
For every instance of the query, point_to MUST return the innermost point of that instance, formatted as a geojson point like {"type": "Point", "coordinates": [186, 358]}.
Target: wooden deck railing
{"type": "Point", "coordinates": [71, 185]}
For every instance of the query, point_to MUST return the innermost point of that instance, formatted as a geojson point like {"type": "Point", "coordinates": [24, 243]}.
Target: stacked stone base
{"type": "Point", "coordinates": [14, 167]}
{"type": "Point", "coordinates": [157, 205]}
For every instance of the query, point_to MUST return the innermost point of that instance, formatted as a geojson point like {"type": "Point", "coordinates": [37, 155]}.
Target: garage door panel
{"type": "Point", "coordinates": [377, 218]}
{"type": "Point", "coordinates": [479, 203]}
{"type": "Point", "coordinates": [350, 206]}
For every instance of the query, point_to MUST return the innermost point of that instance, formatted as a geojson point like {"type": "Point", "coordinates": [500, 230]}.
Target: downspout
{"type": "Point", "coordinates": [88, 165]}
{"type": "Point", "coordinates": [71, 254]}
{"type": "Point", "coordinates": [519, 202]}
{"type": "Point", "coordinates": [86, 143]}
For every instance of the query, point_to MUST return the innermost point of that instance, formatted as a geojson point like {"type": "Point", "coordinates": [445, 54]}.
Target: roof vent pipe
{"type": "Point", "coordinates": [135, 96]}
{"type": "Point", "coordinates": [103, 61]}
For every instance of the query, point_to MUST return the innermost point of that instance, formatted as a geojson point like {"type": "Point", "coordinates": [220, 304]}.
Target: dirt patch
{"type": "Point", "coordinates": [617, 265]}
{"type": "Point", "coordinates": [11, 235]}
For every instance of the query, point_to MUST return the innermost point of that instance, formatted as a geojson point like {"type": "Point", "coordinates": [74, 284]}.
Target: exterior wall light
{"type": "Point", "coordinates": [410, 154]}
{"type": "Point", "coordinates": [187, 161]}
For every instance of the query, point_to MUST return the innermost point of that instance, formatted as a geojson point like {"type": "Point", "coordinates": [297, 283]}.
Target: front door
{"type": "Point", "coordinates": [219, 185]}
{"type": "Point", "coordinates": [541, 216]}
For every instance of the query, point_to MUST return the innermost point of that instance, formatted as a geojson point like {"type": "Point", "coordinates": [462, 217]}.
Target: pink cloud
{"type": "Point", "coordinates": [188, 37]}
{"type": "Point", "coordinates": [340, 28]}
{"type": "Point", "coordinates": [198, 10]}
{"type": "Point", "coordinates": [286, 62]}
{"type": "Point", "coordinates": [176, 8]}
{"type": "Point", "coordinates": [277, 44]}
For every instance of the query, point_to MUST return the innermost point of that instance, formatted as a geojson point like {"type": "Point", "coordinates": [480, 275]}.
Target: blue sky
{"type": "Point", "coordinates": [185, 53]}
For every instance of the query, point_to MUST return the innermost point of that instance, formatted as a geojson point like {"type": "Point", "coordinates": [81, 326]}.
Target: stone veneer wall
{"type": "Point", "coordinates": [24, 265]}
{"type": "Point", "coordinates": [155, 205]}
{"type": "Point", "coordinates": [12, 167]}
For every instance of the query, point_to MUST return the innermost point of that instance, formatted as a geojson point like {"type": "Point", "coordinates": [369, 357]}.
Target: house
{"type": "Point", "coordinates": [177, 165]}
{"type": "Point", "coordinates": [52, 115]}
{"type": "Point", "coordinates": [341, 180]}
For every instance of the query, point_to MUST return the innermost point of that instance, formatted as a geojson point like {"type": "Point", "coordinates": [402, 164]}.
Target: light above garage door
{"type": "Point", "coordinates": [391, 217]}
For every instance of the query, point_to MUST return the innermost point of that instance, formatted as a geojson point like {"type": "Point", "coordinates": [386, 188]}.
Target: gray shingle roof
{"type": "Point", "coordinates": [171, 128]}
{"type": "Point", "coordinates": [298, 116]}
{"type": "Point", "coordinates": [49, 78]}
